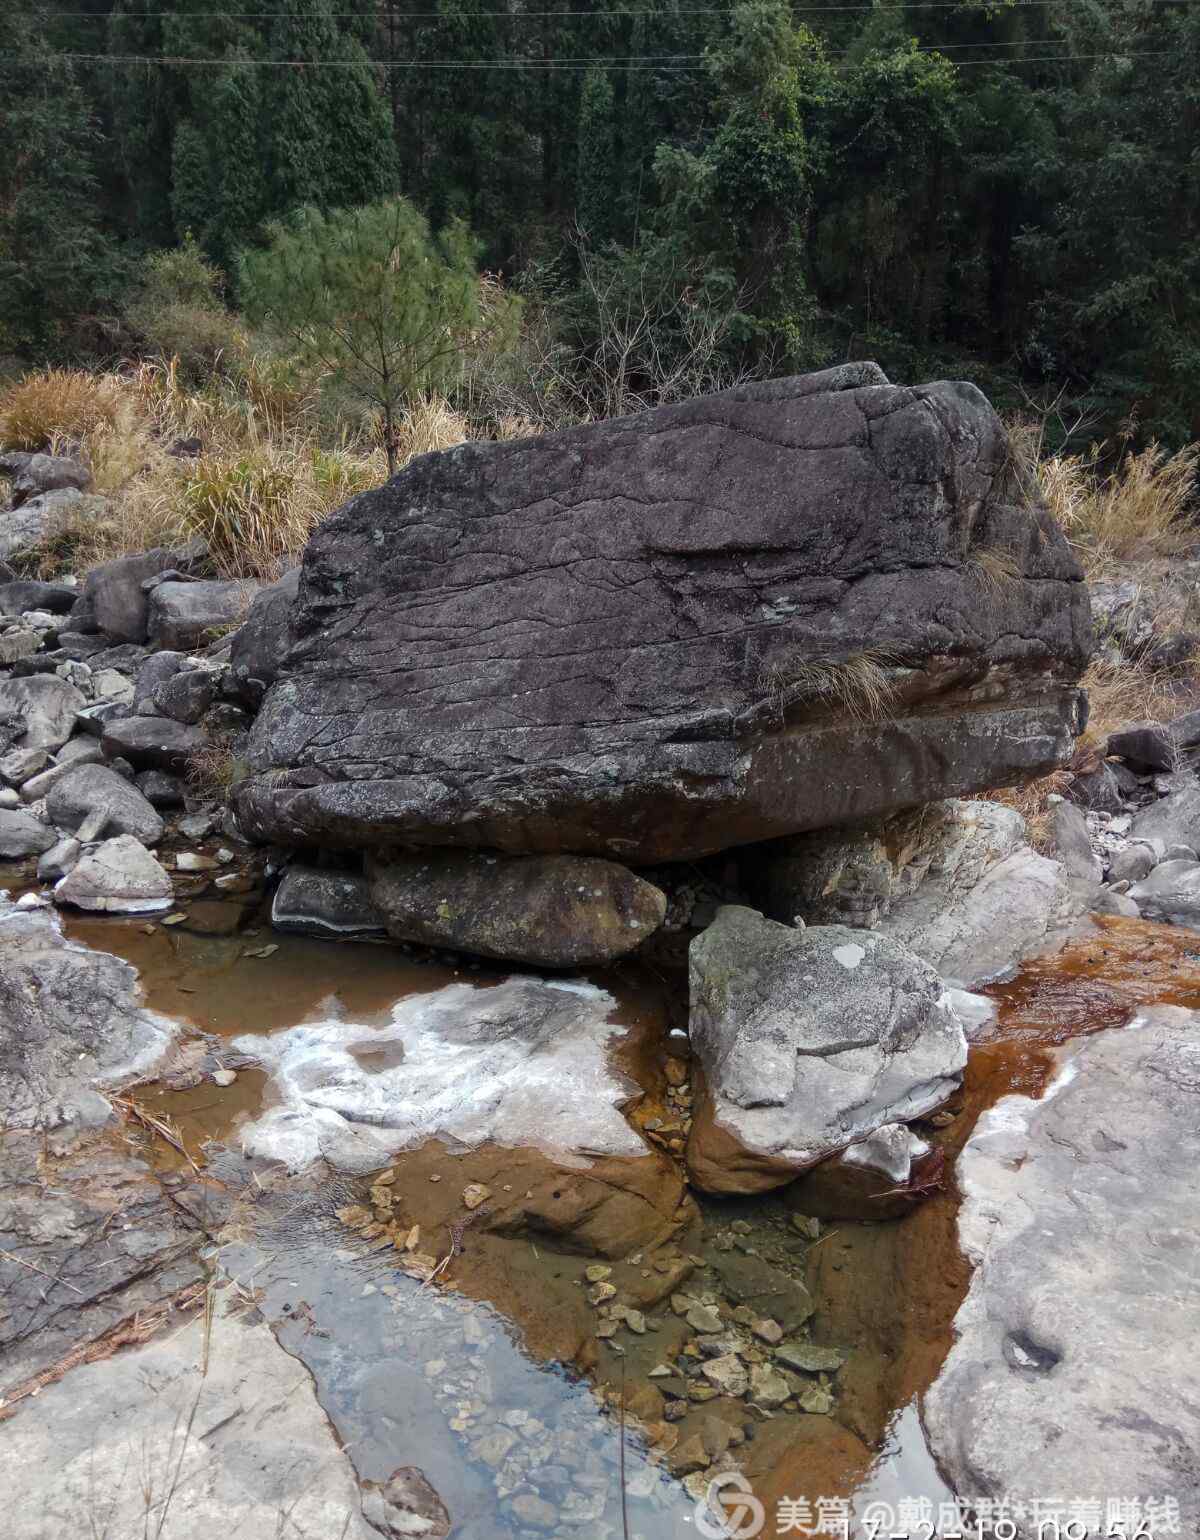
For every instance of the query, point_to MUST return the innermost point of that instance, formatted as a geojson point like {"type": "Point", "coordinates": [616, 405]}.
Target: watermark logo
{"type": "Point", "coordinates": [729, 1509]}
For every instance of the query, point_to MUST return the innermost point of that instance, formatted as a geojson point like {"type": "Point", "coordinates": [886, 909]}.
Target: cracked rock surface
{"type": "Point", "coordinates": [1076, 1369]}
{"type": "Point", "coordinates": [636, 638]}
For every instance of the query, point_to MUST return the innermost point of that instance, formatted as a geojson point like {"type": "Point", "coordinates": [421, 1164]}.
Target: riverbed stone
{"type": "Point", "coordinates": [1133, 862]}
{"type": "Point", "coordinates": [119, 876]}
{"type": "Point", "coordinates": [319, 901]}
{"type": "Point", "coordinates": [186, 615]}
{"type": "Point", "coordinates": [85, 789]}
{"type": "Point", "coordinates": [21, 834]}
{"type": "Point", "coordinates": [628, 639]}
{"type": "Point", "coordinates": [49, 473]}
{"type": "Point", "coordinates": [1171, 892]}
{"type": "Point", "coordinates": [809, 1040]}
{"type": "Point", "coordinates": [152, 743]}
{"type": "Point", "coordinates": [113, 598]}
{"type": "Point", "coordinates": [72, 1018]}
{"type": "Point", "coordinates": [1075, 1366]}
{"type": "Point", "coordinates": [405, 1507]}
{"type": "Point", "coordinates": [44, 709]}
{"type": "Point", "coordinates": [25, 594]}
{"type": "Point", "coordinates": [558, 911]}
{"type": "Point", "coordinates": [1173, 819]}
{"type": "Point", "coordinates": [1069, 830]}
{"type": "Point", "coordinates": [872, 1179]}
{"type": "Point", "coordinates": [988, 899]}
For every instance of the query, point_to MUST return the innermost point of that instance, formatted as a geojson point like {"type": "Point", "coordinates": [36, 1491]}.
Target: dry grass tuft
{"type": "Point", "coordinates": [56, 405]}
{"type": "Point", "coordinates": [1144, 508]}
{"type": "Point", "coordinates": [428, 426]}
{"type": "Point", "coordinates": [995, 570]}
{"type": "Point", "coordinates": [213, 770]}
{"type": "Point", "coordinates": [861, 685]}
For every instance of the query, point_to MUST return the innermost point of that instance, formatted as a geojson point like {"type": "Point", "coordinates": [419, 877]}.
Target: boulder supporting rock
{"type": "Point", "coordinates": [554, 911]}
{"type": "Point", "coordinates": [1076, 1364]}
{"type": "Point", "coordinates": [652, 638]}
{"type": "Point", "coordinates": [809, 1040]}
{"type": "Point", "coordinates": [44, 707]}
{"type": "Point", "coordinates": [315, 902]}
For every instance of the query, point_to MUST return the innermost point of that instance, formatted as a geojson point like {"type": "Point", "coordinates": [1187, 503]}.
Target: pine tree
{"type": "Point", "coordinates": [595, 163]}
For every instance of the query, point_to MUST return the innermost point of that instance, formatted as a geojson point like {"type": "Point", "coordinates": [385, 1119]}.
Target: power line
{"type": "Point", "coordinates": [1007, 6]}
{"type": "Point", "coordinates": [634, 62]}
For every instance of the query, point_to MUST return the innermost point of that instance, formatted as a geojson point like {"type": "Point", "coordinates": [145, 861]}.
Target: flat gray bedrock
{"type": "Point", "coordinates": [600, 640]}
{"type": "Point", "coordinates": [1076, 1366]}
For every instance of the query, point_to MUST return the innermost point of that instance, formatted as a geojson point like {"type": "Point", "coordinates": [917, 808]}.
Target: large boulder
{"type": "Point", "coordinates": [119, 876]}
{"type": "Point", "coordinates": [261, 643]}
{"type": "Point", "coordinates": [1075, 1371]}
{"type": "Point", "coordinates": [555, 911]}
{"type": "Point", "coordinates": [1170, 892]}
{"type": "Point", "coordinates": [808, 1040]}
{"type": "Point", "coordinates": [21, 834]}
{"type": "Point", "coordinates": [88, 790]}
{"type": "Point", "coordinates": [956, 882]}
{"type": "Point", "coordinates": [23, 529]}
{"type": "Point", "coordinates": [709, 624]}
{"type": "Point", "coordinates": [152, 743]}
{"type": "Point", "coordinates": [30, 594]}
{"type": "Point", "coordinates": [1174, 819]}
{"type": "Point", "coordinates": [184, 615]}
{"type": "Point", "coordinates": [49, 473]}
{"type": "Point", "coordinates": [314, 902]}
{"type": "Point", "coordinates": [72, 1018]}
{"type": "Point", "coordinates": [114, 597]}
{"type": "Point", "coordinates": [42, 709]}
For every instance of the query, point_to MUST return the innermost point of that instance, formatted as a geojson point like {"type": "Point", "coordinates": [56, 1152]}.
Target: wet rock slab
{"type": "Point", "coordinates": [1076, 1368]}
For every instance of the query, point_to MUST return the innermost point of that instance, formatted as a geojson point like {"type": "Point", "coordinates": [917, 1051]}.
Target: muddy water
{"type": "Point", "coordinates": [494, 1379]}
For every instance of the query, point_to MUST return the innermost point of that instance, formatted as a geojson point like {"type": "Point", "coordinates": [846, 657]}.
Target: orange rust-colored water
{"type": "Point", "coordinates": [887, 1292]}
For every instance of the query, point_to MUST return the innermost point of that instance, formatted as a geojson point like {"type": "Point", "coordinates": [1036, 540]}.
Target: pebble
{"type": "Point", "coordinates": [703, 1318]}
{"type": "Point", "coordinates": [224, 1076]}
{"type": "Point", "coordinates": [475, 1193]}
{"type": "Point", "coordinates": [597, 1273]}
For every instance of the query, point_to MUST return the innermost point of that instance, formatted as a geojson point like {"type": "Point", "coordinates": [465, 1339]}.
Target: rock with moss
{"type": "Point", "coordinates": [557, 911]}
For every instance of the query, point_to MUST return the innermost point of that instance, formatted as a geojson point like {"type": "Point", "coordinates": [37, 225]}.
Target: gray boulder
{"type": "Point", "coordinates": [1144, 746]}
{"type": "Point", "coordinates": [72, 1018]}
{"type": "Point", "coordinates": [1098, 790]}
{"type": "Point", "coordinates": [956, 882]}
{"type": "Point", "coordinates": [554, 911]}
{"type": "Point", "coordinates": [706, 625]}
{"type": "Point", "coordinates": [1132, 863]}
{"type": "Point", "coordinates": [19, 597]}
{"type": "Point", "coordinates": [114, 599]}
{"type": "Point", "coordinates": [44, 707]}
{"type": "Point", "coordinates": [1075, 1370]}
{"type": "Point", "coordinates": [21, 834]}
{"type": "Point", "coordinates": [59, 859]}
{"type": "Point", "coordinates": [261, 643]}
{"type": "Point", "coordinates": [94, 789]}
{"type": "Point", "coordinates": [186, 695]}
{"type": "Point", "coordinates": [119, 876]}
{"type": "Point", "coordinates": [1171, 892]}
{"type": "Point", "coordinates": [808, 1040]}
{"type": "Point", "coordinates": [1069, 830]}
{"type": "Point", "coordinates": [23, 529]}
{"type": "Point", "coordinates": [181, 615]}
{"type": "Point", "coordinates": [325, 903]}
{"type": "Point", "coordinates": [16, 643]}
{"type": "Point", "coordinates": [152, 743]}
{"type": "Point", "coordinates": [49, 473]}
{"type": "Point", "coordinates": [988, 901]}
{"type": "Point", "coordinates": [161, 789]}
{"type": "Point", "coordinates": [1174, 819]}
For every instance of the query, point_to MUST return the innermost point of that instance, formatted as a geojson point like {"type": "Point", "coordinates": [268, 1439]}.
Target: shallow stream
{"type": "Point", "coordinates": [499, 1377]}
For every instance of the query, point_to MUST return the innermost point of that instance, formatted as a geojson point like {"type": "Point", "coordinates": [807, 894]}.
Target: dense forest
{"type": "Point", "coordinates": [1007, 191]}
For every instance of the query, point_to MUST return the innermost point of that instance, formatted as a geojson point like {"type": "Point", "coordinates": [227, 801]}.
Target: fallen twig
{"type": "Point", "coordinates": [34, 1268]}
{"type": "Point", "coordinates": [156, 1125]}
